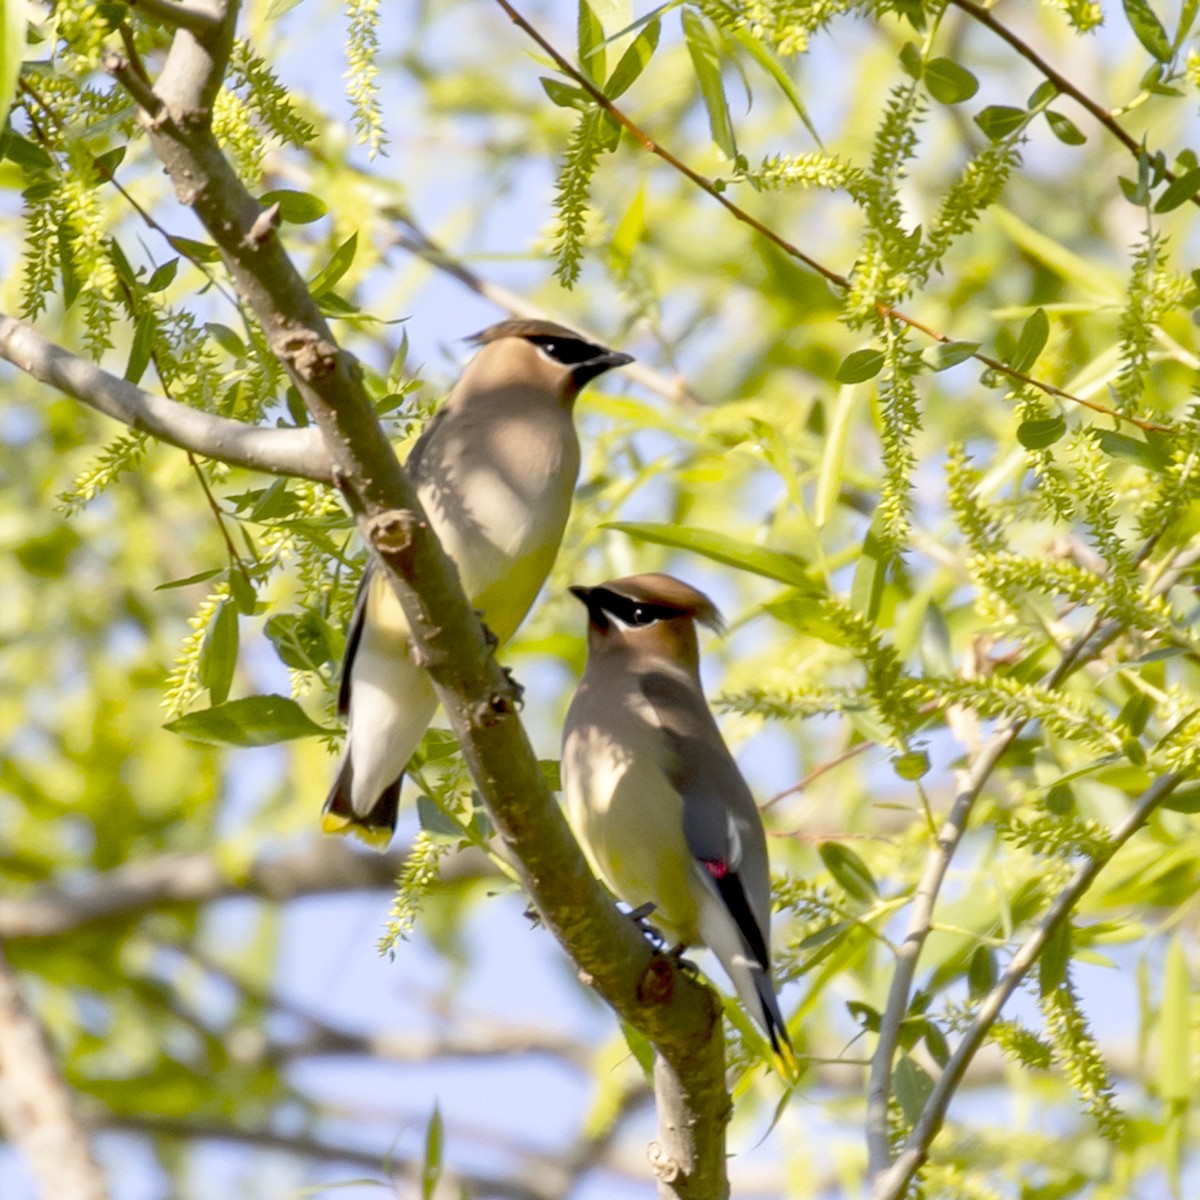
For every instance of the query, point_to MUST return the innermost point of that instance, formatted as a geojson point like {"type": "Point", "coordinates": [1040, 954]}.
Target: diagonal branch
{"type": "Point", "coordinates": [197, 20]}
{"type": "Point", "coordinates": [299, 452]}
{"type": "Point", "coordinates": [38, 1112]}
{"type": "Point", "coordinates": [835, 278]}
{"type": "Point", "coordinates": [893, 1183]}
{"type": "Point", "coordinates": [680, 1016]}
{"type": "Point", "coordinates": [1060, 81]}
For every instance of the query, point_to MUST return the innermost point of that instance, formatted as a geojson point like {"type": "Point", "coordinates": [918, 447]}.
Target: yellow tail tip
{"type": "Point", "coordinates": [378, 837]}
{"type": "Point", "coordinates": [785, 1062]}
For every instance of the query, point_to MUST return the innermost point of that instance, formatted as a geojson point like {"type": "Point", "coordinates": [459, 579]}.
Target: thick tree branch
{"type": "Point", "coordinates": [680, 1016]}
{"type": "Point", "coordinates": [299, 452]}
{"type": "Point", "coordinates": [893, 1183]}
{"type": "Point", "coordinates": [37, 1109]}
{"type": "Point", "coordinates": [182, 879]}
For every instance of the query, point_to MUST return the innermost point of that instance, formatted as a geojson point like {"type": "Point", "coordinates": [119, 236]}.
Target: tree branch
{"type": "Point", "coordinates": [37, 1109]}
{"type": "Point", "coordinates": [893, 1183]}
{"type": "Point", "coordinates": [299, 452]}
{"type": "Point", "coordinates": [172, 880]}
{"type": "Point", "coordinates": [680, 1016]}
{"type": "Point", "coordinates": [1060, 81]}
{"type": "Point", "coordinates": [839, 281]}
{"type": "Point", "coordinates": [201, 22]}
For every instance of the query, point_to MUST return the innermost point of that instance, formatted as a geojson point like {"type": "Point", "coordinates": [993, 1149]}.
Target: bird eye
{"type": "Point", "coordinates": [642, 616]}
{"type": "Point", "coordinates": [550, 348]}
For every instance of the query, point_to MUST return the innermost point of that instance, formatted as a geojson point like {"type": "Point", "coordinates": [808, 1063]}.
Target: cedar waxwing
{"type": "Point", "coordinates": [654, 795]}
{"type": "Point", "coordinates": [495, 471]}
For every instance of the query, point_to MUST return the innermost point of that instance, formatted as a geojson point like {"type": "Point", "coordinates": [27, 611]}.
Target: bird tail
{"type": "Point", "coordinates": [374, 827]}
{"type": "Point", "coordinates": [771, 1018]}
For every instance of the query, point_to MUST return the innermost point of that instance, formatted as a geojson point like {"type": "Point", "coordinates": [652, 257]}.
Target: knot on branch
{"type": "Point", "coordinates": [307, 353]}
{"type": "Point", "coordinates": [392, 531]}
{"type": "Point", "coordinates": [492, 710]}
{"type": "Point", "coordinates": [665, 1167]}
{"type": "Point", "coordinates": [264, 225]}
{"type": "Point", "coordinates": [657, 983]}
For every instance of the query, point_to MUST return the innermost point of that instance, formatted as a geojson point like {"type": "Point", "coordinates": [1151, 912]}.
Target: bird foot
{"type": "Point", "coordinates": [488, 636]}
{"type": "Point", "coordinates": [675, 954]}
{"type": "Point", "coordinates": [639, 917]}
{"type": "Point", "coordinates": [518, 689]}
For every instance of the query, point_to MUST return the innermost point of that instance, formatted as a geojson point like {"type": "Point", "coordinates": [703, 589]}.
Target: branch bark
{"type": "Point", "coordinates": [173, 880]}
{"type": "Point", "coordinates": [37, 1108]}
{"type": "Point", "coordinates": [893, 1183]}
{"type": "Point", "coordinates": [299, 452]}
{"type": "Point", "coordinates": [680, 1016]}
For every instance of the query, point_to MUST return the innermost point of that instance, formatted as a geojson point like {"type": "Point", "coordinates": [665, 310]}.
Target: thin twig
{"type": "Point", "coordinates": [833, 277]}
{"type": "Point", "coordinates": [133, 81]}
{"type": "Point", "coordinates": [893, 1183]}
{"type": "Point", "coordinates": [1060, 81]}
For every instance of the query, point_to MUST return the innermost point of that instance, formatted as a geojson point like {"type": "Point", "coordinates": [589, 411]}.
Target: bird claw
{"type": "Point", "coordinates": [488, 636]}
{"type": "Point", "coordinates": [638, 917]}
{"type": "Point", "coordinates": [518, 689]}
{"type": "Point", "coordinates": [675, 954]}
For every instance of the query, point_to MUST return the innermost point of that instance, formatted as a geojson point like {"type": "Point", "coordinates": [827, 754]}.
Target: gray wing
{"type": "Point", "coordinates": [359, 613]}
{"type": "Point", "coordinates": [721, 824]}
{"type": "Point", "coordinates": [413, 464]}
{"type": "Point", "coordinates": [358, 617]}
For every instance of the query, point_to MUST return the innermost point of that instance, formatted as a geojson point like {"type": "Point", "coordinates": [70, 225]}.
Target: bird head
{"type": "Point", "coordinates": [544, 354]}
{"type": "Point", "coordinates": [650, 614]}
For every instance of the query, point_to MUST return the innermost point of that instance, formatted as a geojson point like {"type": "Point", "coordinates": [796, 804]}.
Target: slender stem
{"type": "Point", "coordinates": [1060, 81]}
{"type": "Point", "coordinates": [893, 1182]}
{"type": "Point", "coordinates": [833, 277]}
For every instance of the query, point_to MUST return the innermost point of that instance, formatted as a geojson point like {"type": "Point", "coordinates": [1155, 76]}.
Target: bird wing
{"type": "Point", "coordinates": [721, 825]}
{"type": "Point", "coordinates": [354, 632]}
{"type": "Point", "coordinates": [413, 464]}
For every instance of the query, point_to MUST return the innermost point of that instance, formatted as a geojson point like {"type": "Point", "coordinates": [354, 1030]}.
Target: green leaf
{"type": "Point", "coordinates": [1148, 30]}
{"type": "Point", "coordinates": [860, 366]}
{"type": "Point", "coordinates": [591, 43]}
{"type": "Point", "coordinates": [1052, 966]}
{"type": "Point", "coordinates": [1042, 94]}
{"type": "Point", "coordinates": [912, 1087]}
{"type": "Point", "coordinates": [226, 339]}
{"type": "Point", "coordinates": [194, 251]}
{"type": "Point", "coordinates": [218, 653]}
{"type": "Point", "coordinates": [245, 598]}
{"type": "Point", "coordinates": [566, 95]}
{"type": "Point", "coordinates": [1034, 334]}
{"type": "Point", "coordinates": [773, 67]}
{"type": "Point", "coordinates": [296, 208]}
{"type": "Point", "coordinates": [1175, 1029]}
{"type": "Point", "coordinates": [1183, 800]}
{"type": "Point", "coordinates": [634, 61]}
{"type": "Point", "coordinates": [1065, 129]}
{"type": "Point", "coordinates": [431, 1169]}
{"type": "Point", "coordinates": [1040, 433]}
{"type": "Point", "coordinates": [852, 874]}
{"type": "Point", "coordinates": [948, 82]}
{"type": "Point", "coordinates": [910, 59]}
{"type": "Point", "coordinates": [12, 51]}
{"type": "Point", "coordinates": [200, 577]}
{"type": "Point", "coordinates": [336, 267]}
{"type": "Point", "coordinates": [708, 74]}
{"type": "Point", "coordinates": [999, 121]}
{"type": "Point", "coordinates": [1180, 192]}
{"type": "Point", "coordinates": [163, 276]}
{"type": "Point", "coordinates": [945, 355]}
{"type": "Point", "coordinates": [981, 972]}
{"type": "Point", "coordinates": [26, 154]}
{"type": "Point", "coordinates": [720, 547]}
{"type": "Point", "coordinates": [141, 348]}
{"type": "Point", "coordinates": [300, 639]}
{"type": "Point", "coordinates": [911, 766]}
{"type": "Point", "coordinates": [435, 820]}
{"type": "Point", "coordinates": [252, 721]}
{"type": "Point", "coordinates": [640, 1047]}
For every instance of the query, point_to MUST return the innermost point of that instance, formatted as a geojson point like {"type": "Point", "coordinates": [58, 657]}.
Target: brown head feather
{"type": "Point", "coordinates": [655, 588]}
{"type": "Point", "coordinates": [524, 327]}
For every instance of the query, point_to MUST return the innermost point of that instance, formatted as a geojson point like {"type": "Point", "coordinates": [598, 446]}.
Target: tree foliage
{"type": "Point", "coordinates": [911, 289]}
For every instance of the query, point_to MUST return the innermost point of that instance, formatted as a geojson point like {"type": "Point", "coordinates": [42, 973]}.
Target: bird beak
{"type": "Point", "coordinates": [582, 594]}
{"type": "Point", "coordinates": [588, 370]}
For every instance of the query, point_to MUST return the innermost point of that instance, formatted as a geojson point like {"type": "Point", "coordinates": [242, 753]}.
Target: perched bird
{"type": "Point", "coordinates": [654, 795]}
{"type": "Point", "coordinates": [495, 471]}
